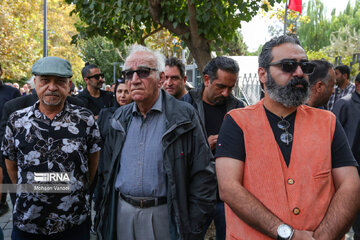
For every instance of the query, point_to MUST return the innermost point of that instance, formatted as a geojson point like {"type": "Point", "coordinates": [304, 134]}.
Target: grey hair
{"type": "Point", "coordinates": [321, 72]}
{"type": "Point", "coordinates": [160, 58]}
{"type": "Point", "coordinates": [266, 57]}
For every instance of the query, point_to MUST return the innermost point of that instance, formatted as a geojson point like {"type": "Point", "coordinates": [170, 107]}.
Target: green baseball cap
{"type": "Point", "coordinates": [53, 66]}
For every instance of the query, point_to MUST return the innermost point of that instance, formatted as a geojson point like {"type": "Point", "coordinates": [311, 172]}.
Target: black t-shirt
{"type": "Point", "coordinates": [231, 141]}
{"type": "Point", "coordinates": [214, 116]}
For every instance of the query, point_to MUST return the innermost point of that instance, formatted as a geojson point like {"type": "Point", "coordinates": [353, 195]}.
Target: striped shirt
{"type": "Point", "coordinates": [338, 93]}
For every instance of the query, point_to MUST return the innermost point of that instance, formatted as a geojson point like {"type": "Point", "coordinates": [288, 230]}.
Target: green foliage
{"type": "Point", "coordinates": [316, 33]}
{"type": "Point", "coordinates": [102, 52]}
{"type": "Point", "coordinates": [235, 47]}
{"type": "Point", "coordinates": [257, 52]}
{"type": "Point", "coordinates": [343, 43]}
{"type": "Point", "coordinates": [21, 38]}
{"type": "Point", "coordinates": [315, 55]}
{"type": "Point", "coordinates": [196, 22]}
{"type": "Point", "coordinates": [278, 16]}
{"type": "Point", "coordinates": [165, 42]}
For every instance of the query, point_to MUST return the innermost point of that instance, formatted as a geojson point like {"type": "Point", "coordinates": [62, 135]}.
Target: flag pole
{"type": "Point", "coordinates": [285, 18]}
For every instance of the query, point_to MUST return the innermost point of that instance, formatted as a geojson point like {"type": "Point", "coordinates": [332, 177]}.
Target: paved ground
{"type": "Point", "coordinates": [6, 226]}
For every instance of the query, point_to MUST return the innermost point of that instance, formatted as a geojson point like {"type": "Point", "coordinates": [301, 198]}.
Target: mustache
{"type": "Point", "coordinates": [52, 94]}
{"type": "Point", "coordinates": [299, 81]}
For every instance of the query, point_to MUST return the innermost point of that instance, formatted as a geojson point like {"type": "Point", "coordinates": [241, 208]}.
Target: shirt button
{"type": "Point", "coordinates": [290, 181]}
{"type": "Point", "coordinates": [296, 211]}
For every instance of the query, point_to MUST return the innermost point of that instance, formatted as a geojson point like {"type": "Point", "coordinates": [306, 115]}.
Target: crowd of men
{"type": "Point", "coordinates": [162, 161]}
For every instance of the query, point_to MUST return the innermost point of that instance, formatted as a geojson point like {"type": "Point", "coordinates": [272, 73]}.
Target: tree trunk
{"type": "Point", "coordinates": [199, 46]}
{"type": "Point", "coordinates": [201, 53]}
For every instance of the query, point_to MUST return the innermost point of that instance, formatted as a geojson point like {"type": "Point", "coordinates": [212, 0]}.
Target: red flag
{"type": "Point", "coordinates": [295, 5]}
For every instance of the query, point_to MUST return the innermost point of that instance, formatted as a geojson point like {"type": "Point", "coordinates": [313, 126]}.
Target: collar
{"type": "Point", "coordinates": [38, 114]}
{"type": "Point", "coordinates": [158, 106]}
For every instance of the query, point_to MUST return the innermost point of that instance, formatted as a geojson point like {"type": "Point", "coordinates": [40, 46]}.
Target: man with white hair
{"type": "Point", "coordinates": [165, 187]}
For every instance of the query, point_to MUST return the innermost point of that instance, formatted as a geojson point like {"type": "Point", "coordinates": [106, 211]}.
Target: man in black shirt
{"type": "Point", "coordinates": [94, 98]}
{"type": "Point", "coordinates": [213, 100]}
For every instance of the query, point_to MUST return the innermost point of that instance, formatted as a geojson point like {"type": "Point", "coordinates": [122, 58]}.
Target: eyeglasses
{"type": "Point", "coordinates": [290, 66]}
{"type": "Point", "coordinates": [285, 137]}
{"type": "Point", "coordinates": [143, 72]}
{"type": "Point", "coordinates": [97, 76]}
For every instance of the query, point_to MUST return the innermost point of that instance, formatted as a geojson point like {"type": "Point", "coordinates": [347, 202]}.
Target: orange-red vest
{"type": "Point", "coordinates": [299, 194]}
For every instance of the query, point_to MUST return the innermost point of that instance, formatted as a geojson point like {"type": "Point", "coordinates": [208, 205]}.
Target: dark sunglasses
{"type": "Point", "coordinates": [290, 66]}
{"type": "Point", "coordinates": [97, 76]}
{"type": "Point", "coordinates": [143, 72]}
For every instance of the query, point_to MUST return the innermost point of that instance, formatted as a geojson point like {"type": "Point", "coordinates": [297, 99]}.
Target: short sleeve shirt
{"type": "Point", "coordinates": [38, 144]}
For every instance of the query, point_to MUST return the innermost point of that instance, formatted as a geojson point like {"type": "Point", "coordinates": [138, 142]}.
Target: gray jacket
{"type": "Point", "coordinates": [347, 111]}
{"type": "Point", "coordinates": [194, 97]}
{"type": "Point", "coordinates": [187, 162]}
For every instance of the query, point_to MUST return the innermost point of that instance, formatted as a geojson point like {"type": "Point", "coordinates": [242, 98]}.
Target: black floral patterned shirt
{"type": "Point", "coordinates": [62, 144]}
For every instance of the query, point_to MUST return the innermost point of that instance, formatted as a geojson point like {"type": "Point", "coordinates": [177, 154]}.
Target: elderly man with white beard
{"type": "Point", "coordinates": [285, 170]}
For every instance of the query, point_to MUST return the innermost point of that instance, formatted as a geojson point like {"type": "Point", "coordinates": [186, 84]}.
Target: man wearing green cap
{"type": "Point", "coordinates": [51, 138]}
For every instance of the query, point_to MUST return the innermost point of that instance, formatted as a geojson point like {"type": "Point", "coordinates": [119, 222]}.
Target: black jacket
{"type": "Point", "coordinates": [347, 111]}
{"type": "Point", "coordinates": [194, 97]}
{"type": "Point", "coordinates": [91, 103]}
{"type": "Point", "coordinates": [191, 184]}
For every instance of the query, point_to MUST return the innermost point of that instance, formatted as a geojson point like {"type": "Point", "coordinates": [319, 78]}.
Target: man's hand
{"type": "Point", "coordinates": [12, 169]}
{"type": "Point", "coordinates": [344, 205]}
{"type": "Point", "coordinates": [302, 235]}
{"type": "Point", "coordinates": [212, 140]}
{"type": "Point", "coordinates": [93, 164]}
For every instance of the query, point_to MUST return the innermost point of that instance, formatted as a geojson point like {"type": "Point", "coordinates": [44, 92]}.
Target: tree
{"type": "Point", "coordinates": [21, 37]}
{"type": "Point", "coordinates": [315, 34]}
{"type": "Point", "coordinates": [165, 42]}
{"type": "Point", "coordinates": [277, 15]}
{"type": "Point", "coordinates": [235, 47]}
{"type": "Point", "coordinates": [102, 52]}
{"type": "Point", "coordinates": [196, 22]}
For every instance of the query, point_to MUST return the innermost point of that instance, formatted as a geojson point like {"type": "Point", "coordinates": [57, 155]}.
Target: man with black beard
{"type": "Point", "coordinates": [285, 170]}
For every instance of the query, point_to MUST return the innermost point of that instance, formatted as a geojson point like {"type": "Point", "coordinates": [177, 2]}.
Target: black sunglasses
{"type": "Point", "coordinates": [143, 72]}
{"type": "Point", "coordinates": [97, 76]}
{"type": "Point", "coordinates": [290, 66]}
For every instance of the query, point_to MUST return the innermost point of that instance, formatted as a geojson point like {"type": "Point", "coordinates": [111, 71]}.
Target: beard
{"type": "Point", "coordinates": [289, 95]}
{"type": "Point", "coordinates": [52, 103]}
{"type": "Point", "coordinates": [219, 100]}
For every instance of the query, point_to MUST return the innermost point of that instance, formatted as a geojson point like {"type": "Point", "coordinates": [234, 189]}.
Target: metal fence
{"type": "Point", "coordinates": [247, 87]}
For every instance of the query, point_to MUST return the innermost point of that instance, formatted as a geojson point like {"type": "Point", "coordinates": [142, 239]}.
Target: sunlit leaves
{"type": "Point", "coordinates": [21, 36]}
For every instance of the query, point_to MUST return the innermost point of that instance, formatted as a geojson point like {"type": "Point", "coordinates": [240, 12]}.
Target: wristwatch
{"type": "Point", "coordinates": [285, 232]}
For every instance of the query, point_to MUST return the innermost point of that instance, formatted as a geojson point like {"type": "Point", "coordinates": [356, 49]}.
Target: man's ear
{"type": "Point", "coordinates": [162, 79]}
{"type": "Point", "coordinates": [206, 80]}
{"type": "Point", "coordinates": [319, 86]}
{"type": "Point", "coordinates": [185, 78]}
{"type": "Point", "coordinates": [262, 75]}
